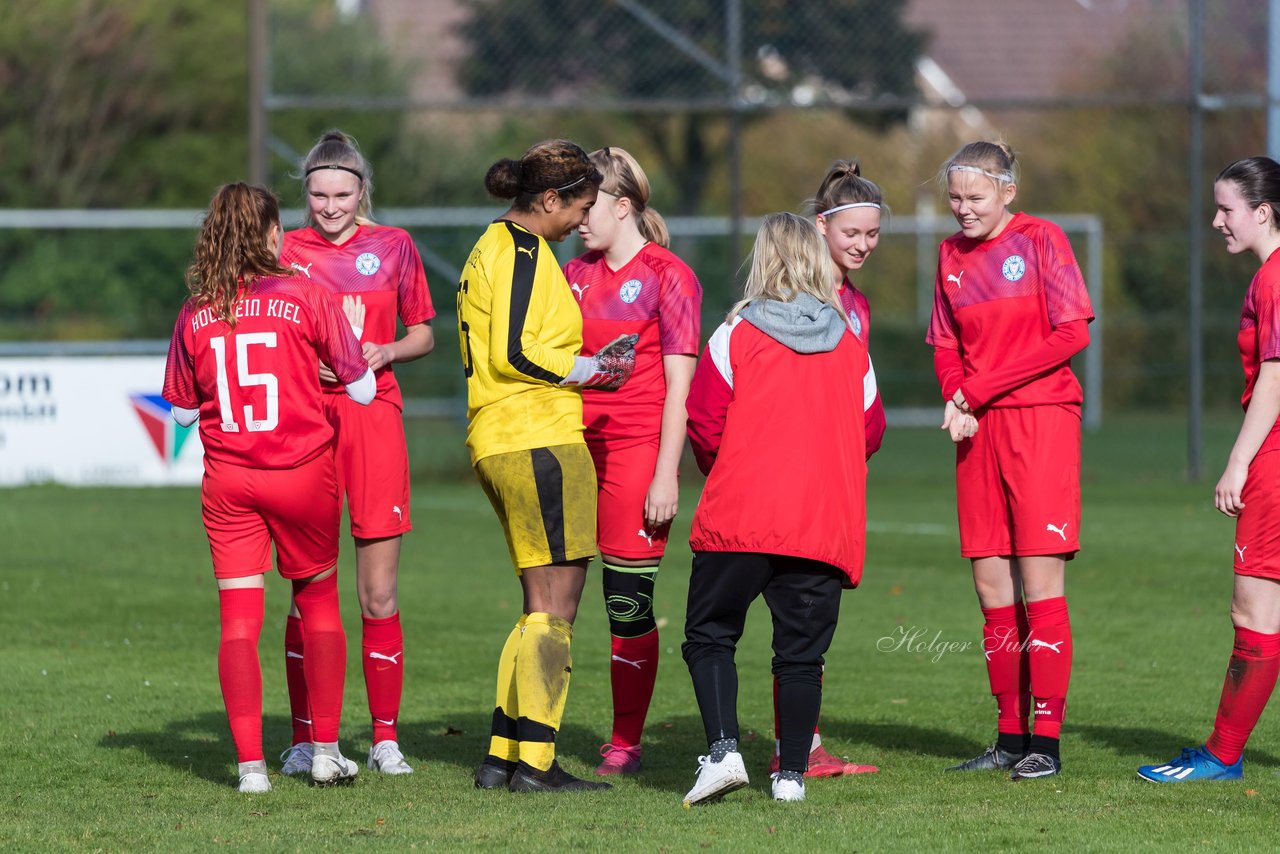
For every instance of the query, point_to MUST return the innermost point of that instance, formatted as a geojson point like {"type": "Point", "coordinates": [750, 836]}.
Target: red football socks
{"type": "Point", "coordinates": [239, 673]}
{"type": "Point", "coordinates": [382, 654]}
{"type": "Point", "coordinates": [1251, 676]}
{"type": "Point", "coordinates": [325, 664]}
{"type": "Point", "coordinates": [633, 669]}
{"type": "Point", "coordinates": [1004, 636]}
{"type": "Point", "coordinates": [299, 703]}
{"type": "Point", "coordinates": [1049, 651]}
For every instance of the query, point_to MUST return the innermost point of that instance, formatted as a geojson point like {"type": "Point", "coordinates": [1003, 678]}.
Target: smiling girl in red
{"type": "Point", "coordinates": [1010, 310]}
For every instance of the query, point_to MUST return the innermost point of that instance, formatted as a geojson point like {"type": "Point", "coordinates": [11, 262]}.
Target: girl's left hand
{"type": "Point", "coordinates": [377, 355]}
{"type": "Point", "coordinates": [661, 502]}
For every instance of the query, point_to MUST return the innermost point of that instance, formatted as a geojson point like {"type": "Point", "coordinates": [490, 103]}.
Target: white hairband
{"type": "Point", "coordinates": [839, 208]}
{"type": "Point", "coordinates": [1006, 177]}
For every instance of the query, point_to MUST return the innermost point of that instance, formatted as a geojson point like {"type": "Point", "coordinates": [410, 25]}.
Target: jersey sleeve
{"type": "Point", "coordinates": [679, 311]}
{"type": "Point", "coordinates": [413, 298]}
{"type": "Point", "coordinates": [942, 323]}
{"type": "Point", "coordinates": [1267, 311]}
{"type": "Point", "coordinates": [521, 279]}
{"type": "Point", "coordinates": [1066, 296]}
{"type": "Point", "coordinates": [179, 369]}
{"type": "Point", "coordinates": [710, 394]}
{"type": "Point", "coordinates": [873, 410]}
{"type": "Point", "coordinates": [336, 344]}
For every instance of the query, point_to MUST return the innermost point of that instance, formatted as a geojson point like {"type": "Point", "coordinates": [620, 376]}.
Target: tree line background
{"type": "Point", "coordinates": [143, 104]}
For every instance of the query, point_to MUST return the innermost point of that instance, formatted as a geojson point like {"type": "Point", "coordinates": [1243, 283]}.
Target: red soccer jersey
{"type": "Point", "coordinates": [256, 385]}
{"type": "Point", "coordinates": [1259, 336]}
{"type": "Point", "coordinates": [1000, 298]}
{"type": "Point", "coordinates": [381, 265]}
{"type": "Point", "coordinates": [656, 295]}
{"type": "Point", "coordinates": [858, 307]}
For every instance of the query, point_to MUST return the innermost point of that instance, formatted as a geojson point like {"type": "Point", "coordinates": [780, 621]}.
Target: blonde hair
{"type": "Point", "coordinates": [624, 178]}
{"type": "Point", "coordinates": [336, 150]}
{"type": "Point", "coordinates": [995, 160]}
{"type": "Point", "coordinates": [232, 248]}
{"type": "Point", "coordinates": [790, 257]}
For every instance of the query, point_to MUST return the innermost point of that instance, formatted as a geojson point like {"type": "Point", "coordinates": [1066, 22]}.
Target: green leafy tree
{"type": "Point", "coordinates": [837, 53]}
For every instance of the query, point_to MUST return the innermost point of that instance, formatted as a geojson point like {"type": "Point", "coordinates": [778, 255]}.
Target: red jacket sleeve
{"type": "Point", "coordinates": [708, 405]}
{"type": "Point", "coordinates": [1063, 343]}
{"type": "Point", "coordinates": [875, 425]}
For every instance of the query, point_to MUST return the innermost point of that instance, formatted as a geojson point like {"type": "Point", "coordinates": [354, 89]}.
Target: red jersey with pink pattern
{"type": "Point", "coordinates": [858, 307]}
{"type": "Point", "coordinates": [256, 384]}
{"type": "Point", "coordinates": [656, 295]}
{"type": "Point", "coordinates": [997, 299]}
{"type": "Point", "coordinates": [381, 265]}
{"type": "Point", "coordinates": [1259, 336]}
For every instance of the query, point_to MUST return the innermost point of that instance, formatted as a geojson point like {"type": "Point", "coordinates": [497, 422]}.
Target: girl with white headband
{"type": "Point", "coordinates": [847, 208]}
{"type": "Point", "coordinates": [1010, 310]}
{"type": "Point", "coordinates": [374, 269]}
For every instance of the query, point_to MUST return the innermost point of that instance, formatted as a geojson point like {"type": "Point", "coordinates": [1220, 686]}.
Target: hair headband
{"type": "Point", "coordinates": [355, 172]}
{"type": "Point", "coordinates": [838, 208]}
{"type": "Point", "coordinates": [1006, 177]}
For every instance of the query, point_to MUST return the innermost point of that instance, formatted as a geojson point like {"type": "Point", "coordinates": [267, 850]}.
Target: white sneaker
{"type": "Point", "coordinates": [327, 769]}
{"type": "Point", "coordinates": [717, 779]}
{"type": "Point", "coordinates": [787, 790]}
{"type": "Point", "coordinates": [385, 756]}
{"type": "Point", "coordinates": [253, 777]}
{"type": "Point", "coordinates": [297, 759]}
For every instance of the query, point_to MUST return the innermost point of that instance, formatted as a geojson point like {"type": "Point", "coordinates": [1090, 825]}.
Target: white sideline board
{"type": "Point", "coordinates": [92, 421]}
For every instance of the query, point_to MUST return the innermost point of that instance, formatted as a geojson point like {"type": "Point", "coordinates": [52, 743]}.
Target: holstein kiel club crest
{"type": "Point", "coordinates": [167, 435]}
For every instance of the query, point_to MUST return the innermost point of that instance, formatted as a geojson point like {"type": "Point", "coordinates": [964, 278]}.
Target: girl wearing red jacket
{"type": "Point", "coordinates": [847, 210]}
{"type": "Point", "coordinates": [1010, 310]}
{"type": "Point", "coordinates": [773, 421]}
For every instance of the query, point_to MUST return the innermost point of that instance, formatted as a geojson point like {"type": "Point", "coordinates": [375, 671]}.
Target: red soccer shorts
{"type": "Point", "coordinates": [373, 465]}
{"type": "Point", "coordinates": [1018, 483]}
{"type": "Point", "coordinates": [246, 510]}
{"type": "Point", "coordinates": [624, 474]}
{"type": "Point", "coordinates": [1257, 545]}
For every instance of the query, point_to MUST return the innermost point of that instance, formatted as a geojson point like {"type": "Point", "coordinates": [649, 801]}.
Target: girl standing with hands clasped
{"type": "Point", "coordinates": [1247, 196]}
{"type": "Point", "coordinates": [847, 209]}
{"type": "Point", "coordinates": [630, 282]}
{"type": "Point", "coordinates": [773, 423]}
{"type": "Point", "coordinates": [377, 267]}
{"type": "Point", "coordinates": [243, 362]}
{"type": "Point", "coordinates": [1010, 310]}
{"type": "Point", "coordinates": [520, 333]}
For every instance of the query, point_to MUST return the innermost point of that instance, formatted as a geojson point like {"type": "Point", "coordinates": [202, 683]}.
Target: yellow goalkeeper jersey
{"type": "Point", "coordinates": [519, 329]}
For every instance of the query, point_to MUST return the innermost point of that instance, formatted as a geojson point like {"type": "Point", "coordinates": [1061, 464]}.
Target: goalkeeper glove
{"type": "Point", "coordinates": [608, 369]}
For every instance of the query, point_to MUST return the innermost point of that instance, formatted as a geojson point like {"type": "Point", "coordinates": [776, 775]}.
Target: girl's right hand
{"type": "Point", "coordinates": [1226, 495]}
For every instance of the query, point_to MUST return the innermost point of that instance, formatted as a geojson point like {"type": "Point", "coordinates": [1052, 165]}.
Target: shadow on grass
{"type": "Point", "coordinates": [200, 745]}
{"type": "Point", "coordinates": [1149, 745]}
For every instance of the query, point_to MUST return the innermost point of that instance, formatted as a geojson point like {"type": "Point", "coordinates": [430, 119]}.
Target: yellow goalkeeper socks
{"type": "Point", "coordinates": [503, 743]}
{"type": "Point", "coordinates": [542, 671]}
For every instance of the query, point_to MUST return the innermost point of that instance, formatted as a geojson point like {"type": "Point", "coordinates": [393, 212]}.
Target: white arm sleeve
{"type": "Point", "coordinates": [363, 389]}
{"type": "Point", "coordinates": [185, 417]}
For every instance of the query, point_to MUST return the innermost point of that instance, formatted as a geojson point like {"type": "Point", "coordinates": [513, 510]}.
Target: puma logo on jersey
{"type": "Point", "coordinates": [526, 250]}
{"type": "Point", "coordinates": [1240, 551]}
{"type": "Point", "coordinates": [635, 664]}
{"type": "Point", "coordinates": [956, 279]}
{"type": "Point", "coordinates": [392, 658]}
{"type": "Point", "coordinates": [579, 290]}
{"type": "Point", "coordinates": [1061, 532]}
{"type": "Point", "coordinates": [399, 513]}
{"type": "Point", "coordinates": [1053, 646]}
{"type": "Point", "coordinates": [307, 269]}
{"type": "Point", "coordinates": [648, 537]}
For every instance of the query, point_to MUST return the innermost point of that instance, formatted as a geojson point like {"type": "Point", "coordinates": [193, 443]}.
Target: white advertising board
{"type": "Point", "coordinates": [92, 421]}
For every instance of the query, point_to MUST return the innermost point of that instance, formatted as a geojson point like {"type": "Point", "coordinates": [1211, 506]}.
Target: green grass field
{"type": "Point", "coordinates": [114, 733]}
